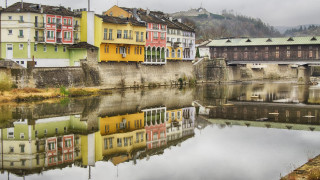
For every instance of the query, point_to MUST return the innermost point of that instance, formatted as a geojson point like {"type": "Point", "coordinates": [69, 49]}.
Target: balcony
{"type": "Point", "coordinates": [59, 40]}
{"type": "Point", "coordinates": [176, 44]}
{"type": "Point", "coordinates": [76, 27]}
{"type": "Point", "coordinates": [39, 25]}
{"type": "Point", "coordinates": [76, 40]}
{"type": "Point", "coordinates": [39, 39]}
{"type": "Point", "coordinates": [20, 36]}
{"type": "Point", "coordinates": [59, 26]}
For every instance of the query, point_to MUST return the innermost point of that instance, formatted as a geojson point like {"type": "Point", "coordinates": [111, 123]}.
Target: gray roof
{"type": "Point", "coordinates": [311, 40]}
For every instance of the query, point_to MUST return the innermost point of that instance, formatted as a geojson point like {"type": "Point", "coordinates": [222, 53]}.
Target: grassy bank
{"type": "Point", "coordinates": [33, 94]}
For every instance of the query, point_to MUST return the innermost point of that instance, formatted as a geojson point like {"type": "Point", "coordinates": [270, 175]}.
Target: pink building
{"type": "Point", "coordinates": [155, 127]}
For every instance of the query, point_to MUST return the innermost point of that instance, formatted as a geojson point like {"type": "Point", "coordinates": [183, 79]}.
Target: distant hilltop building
{"type": "Point", "coordinates": [192, 12]}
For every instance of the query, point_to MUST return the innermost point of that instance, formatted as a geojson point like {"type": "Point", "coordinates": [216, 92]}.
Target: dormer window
{"type": "Point", "coordinates": [290, 39]}
{"type": "Point", "coordinates": [313, 39]}
{"type": "Point", "coordinates": [248, 40]}
{"type": "Point", "coordinates": [269, 40]}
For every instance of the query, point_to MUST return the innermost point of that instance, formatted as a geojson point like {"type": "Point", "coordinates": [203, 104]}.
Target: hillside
{"type": "Point", "coordinates": [304, 30]}
{"type": "Point", "coordinates": [210, 26]}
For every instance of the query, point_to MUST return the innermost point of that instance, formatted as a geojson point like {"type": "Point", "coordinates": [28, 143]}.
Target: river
{"type": "Point", "coordinates": [245, 131]}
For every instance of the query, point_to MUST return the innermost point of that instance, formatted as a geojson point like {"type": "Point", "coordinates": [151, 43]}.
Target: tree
{"type": "Point", "coordinates": [197, 53]}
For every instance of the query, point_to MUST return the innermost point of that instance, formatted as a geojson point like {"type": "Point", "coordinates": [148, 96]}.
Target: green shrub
{"type": "Point", "coordinates": [5, 82]}
{"type": "Point", "coordinates": [64, 91]}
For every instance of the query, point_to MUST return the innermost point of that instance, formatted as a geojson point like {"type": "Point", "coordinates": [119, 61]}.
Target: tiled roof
{"type": "Point", "coordinates": [118, 20]}
{"type": "Point", "coordinates": [82, 45]}
{"type": "Point", "coordinates": [36, 8]}
{"type": "Point", "coordinates": [266, 41]}
{"type": "Point", "coordinates": [175, 24]}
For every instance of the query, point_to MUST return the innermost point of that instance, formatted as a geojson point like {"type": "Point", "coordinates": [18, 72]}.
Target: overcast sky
{"type": "Point", "coordinates": [273, 12]}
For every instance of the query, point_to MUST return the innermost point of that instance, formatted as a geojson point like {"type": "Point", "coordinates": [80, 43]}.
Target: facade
{"type": "Point", "coordinates": [156, 37]}
{"type": "Point", "coordinates": [156, 135]}
{"type": "Point", "coordinates": [123, 39]}
{"type": "Point", "coordinates": [174, 124]}
{"type": "Point", "coordinates": [281, 50]}
{"type": "Point", "coordinates": [204, 50]}
{"type": "Point", "coordinates": [180, 40]}
{"type": "Point", "coordinates": [39, 32]}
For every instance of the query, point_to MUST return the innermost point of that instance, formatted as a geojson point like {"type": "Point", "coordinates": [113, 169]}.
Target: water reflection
{"type": "Point", "coordinates": [250, 126]}
{"type": "Point", "coordinates": [34, 146]}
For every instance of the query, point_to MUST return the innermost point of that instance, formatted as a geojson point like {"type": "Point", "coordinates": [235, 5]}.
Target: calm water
{"type": "Point", "coordinates": [239, 131]}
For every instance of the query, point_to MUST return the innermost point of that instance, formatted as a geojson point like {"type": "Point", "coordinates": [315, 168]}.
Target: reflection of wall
{"type": "Point", "coordinates": [174, 124]}
{"type": "Point", "coordinates": [292, 113]}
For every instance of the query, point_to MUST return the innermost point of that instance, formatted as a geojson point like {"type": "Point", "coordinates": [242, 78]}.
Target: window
{"type": "Point", "coordinates": [21, 19]}
{"type": "Point", "coordinates": [105, 34]}
{"type": "Point", "coordinates": [23, 162]}
{"type": "Point", "coordinates": [35, 48]}
{"type": "Point", "coordinates": [137, 36]}
{"type": "Point", "coordinates": [11, 149]}
{"type": "Point", "coordinates": [277, 54]}
{"type": "Point", "coordinates": [117, 50]}
{"type": "Point", "coordinates": [167, 53]}
{"type": "Point", "coordinates": [68, 143]}
{"type": "Point", "coordinates": [45, 132]}
{"type": "Point", "coordinates": [299, 54]}
{"type": "Point", "coordinates": [288, 53]}
{"type": "Point", "coordinates": [155, 35]}
{"type": "Point", "coordinates": [119, 32]}
{"type": "Point", "coordinates": [21, 148]}
{"type": "Point", "coordinates": [147, 36]}
{"type": "Point", "coordinates": [172, 116]}
{"type": "Point", "coordinates": [56, 48]}
{"type": "Point", "coordinates": [179, 53]}
{"type": "Point", "coordinates": [69, 22]}
{"type": "Point", "coordinates": [65, 21]}
{"type": "Point", "coordinates": [44, 48]}
{"type": "Point", "coordinates": [22, 134]}
{"type": "Point", "coordinates": [178, 114]}
{"type": "Point", "coordinates": [50, 34]}
{"type": "Point", "coordinates": [110, 143]}
{"type": "Point", "coordinates": [310, 54]}
{"type": "Point", "coordinates": [140, 50]}
{"type": "Point", "coordinates": [64, 48]}
{"type": "Point", "coordinates": [130, 34]}
{"type": "Point", "coordinates": [122, 50]}
{"type": "Point", "coordinates": [119, 142]}
{"type": "Point", "coordinates": [20, 33]}
{"type": "Point", "coordinates": [125, 34]}
{"type": "Point", "coordinates": [10, 32]}
{"type": "Point", "coordinates": [266, 55]}
{"type": "Point", "coordinates": [105, 49]}
{"type": "Point", "coordinates": [141, 37]}
{"type": "Point", "coordinates": [36, 133]}
{"type": "Point", "coordinates": [20, 46]}
{"type": "Point", "coordinates": [245, 55]}
{"type": "Point", "coordinates": [128, 52]}
{"type": "Point", "coordinates": [49, 20]}
{"type": "Point", "coordinates": [162, 35]}
{"type": "Point", "coordinates": [51, 146]}
{"type": "Point", "coordinates": [110, 34]}
{"type": "Point", "coordinates": [173, 53]}
{"type": "Point", "coordinates": [9, 17]}
{"type": "Point", "coordinates": [57, 131]}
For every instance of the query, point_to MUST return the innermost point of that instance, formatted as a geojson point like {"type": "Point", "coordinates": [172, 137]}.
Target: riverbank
{"type": "Point", "coordinates": [34, 94]}
{"type": "Point", "coordinates": [309, 171]}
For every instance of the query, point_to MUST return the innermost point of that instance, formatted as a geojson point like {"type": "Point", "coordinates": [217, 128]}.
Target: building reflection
{"type": "Point", "coordinates": [33, 146]}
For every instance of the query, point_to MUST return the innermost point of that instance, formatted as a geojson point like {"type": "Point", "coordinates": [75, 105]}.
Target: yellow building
{"type": "Point", "coordinates": [119, 12]}
{"type": "Point", "coordinates": [122, 134]}
{"type": "Point", "coordinates": [122, 39]}
{"type": "Point", "coordinates": [121, 123]}
{"type": "Point", "coordinates": [119, 39]}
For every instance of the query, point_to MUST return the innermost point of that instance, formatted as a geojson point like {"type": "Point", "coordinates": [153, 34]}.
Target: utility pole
{"type": "Point", "coordinates": [88, 5]}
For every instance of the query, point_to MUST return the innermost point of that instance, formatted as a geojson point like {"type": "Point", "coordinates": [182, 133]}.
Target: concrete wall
{"type": "Point", "coordinates": [218, 71]}
{"type": "Point", "coordinates": [105, 75]}
{"type": "Point", "coordinates": [118, 74]}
